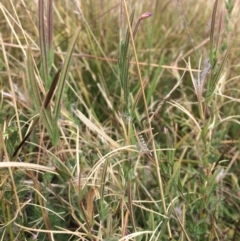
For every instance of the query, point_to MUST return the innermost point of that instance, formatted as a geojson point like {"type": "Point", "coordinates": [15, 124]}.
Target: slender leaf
{"type": "Point", "coordinates": [214, 82]}
{"type": "Point", "coordinates": [44, 114]}
{"type": "Point", "coordinates": [212, 50]}
{"type": "Point", "coordinates": [45, 105]}
{"type": "Point", "coordinates": [43, 42]}
{"type": "Point", "coordinates": [50, 49]}
{"type": "Point", "coordinates": [64, 74]}
{"type": "Point", "coordinates": [49, 23]}
{"type": "Point", "coordinates": [124, 67]}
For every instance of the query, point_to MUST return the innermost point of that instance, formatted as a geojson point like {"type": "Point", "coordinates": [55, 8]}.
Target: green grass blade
{"type": "Point", "coordinates": [43, 43]}
{"type": "Point", "coordinates": [49, 24]}
{"type": "Point", "coordinates": [124, 67]}
{"type": "Point", "coordinates": [44, 113]}
{"type": "Point", "coordinates": [212, 50]}
{"type": "Point", "coordinates": [50, 49]}
{"type": "Point", "coordinates": [64, 74]}
{"type": "Point", "coordinates": [154, 81]}
{"type": "Point", "coordinates": [32, 81]}
{"type": "Point", "coordinates": [45, 105]}
{"type": "Point", "coordinates": [213, 83]}
{"type": "Point", "coordinates": [127, 38]}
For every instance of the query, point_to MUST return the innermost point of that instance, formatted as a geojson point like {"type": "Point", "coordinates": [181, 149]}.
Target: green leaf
{"type": "Point", "coordinates": [43, 43]}
{"type": "Point", "coordinates": [44, 113]}
{"type": "Point", "coordinates": [64, 74]}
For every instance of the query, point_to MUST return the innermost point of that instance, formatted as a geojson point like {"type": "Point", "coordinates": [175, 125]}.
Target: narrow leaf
{"type": "Point", "coordinates": [49, 23]}
{"type": "Point", "coordinates": [44, 114]}
{"type": "Point", "coordinates": [26, 137]}
{"type": "Point", "coordinates": [217, 75]}
{"type": "Point", "coordinates": [50, 49]}
{"type": "Point", "coordinates": [64, 74]}
{"type": "Point", "coordinates": [42, 42]}
{"type": "Point", "coordinates": [212, 32]}
{"type": "Point", "coordinates": [124, 67]}
{"type": "Point", "coordinates": [34, 88]}
{"type": "Point", "coordinates": [52, 89]}
{"type": "Point", "coordinates": [45, 105]}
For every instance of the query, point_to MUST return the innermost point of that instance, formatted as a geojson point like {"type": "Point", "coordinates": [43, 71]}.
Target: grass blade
{"type": "Point", "coordinates": [213, 83]}
{"type": "Point", "coordinates": [212, 50]}
{"type": "Point", "coordinates": [42, 42]}
{"type": "Point", "coordinates": [44, 113]}
{"type": "Point", "coordinates": [45, 104]}
{"type": "Point", "coordinates": [124, 67]}
{"type": "Point", "coordinates": [64, 74]}
{"type": "Point", "coordinates": [50, 49]}
{"type": "Point", "coordinates": [49, 24]}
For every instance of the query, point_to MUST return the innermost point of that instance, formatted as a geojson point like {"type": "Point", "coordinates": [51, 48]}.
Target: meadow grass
{"type": "Point", "coordinates": [119, 120]}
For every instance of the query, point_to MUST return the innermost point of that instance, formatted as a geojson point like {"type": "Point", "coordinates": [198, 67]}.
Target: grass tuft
{"type": "Point", "coordinates": [119, 121]}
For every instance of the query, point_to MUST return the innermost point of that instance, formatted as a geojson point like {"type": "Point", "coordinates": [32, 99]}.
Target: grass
{"type": "Point", "coordinates": [119, 120]}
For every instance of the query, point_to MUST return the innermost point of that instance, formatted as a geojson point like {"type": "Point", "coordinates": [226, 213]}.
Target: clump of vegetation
{"type": "Point", "coordinates": [119, 121]}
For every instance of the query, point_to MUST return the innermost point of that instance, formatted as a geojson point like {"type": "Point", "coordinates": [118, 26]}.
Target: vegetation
{"type": "Point", "coordinates": [119, 120]}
